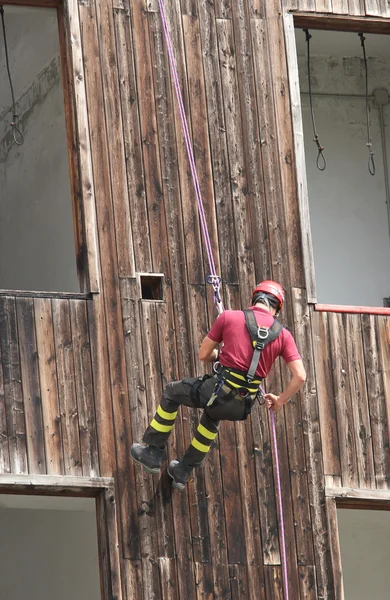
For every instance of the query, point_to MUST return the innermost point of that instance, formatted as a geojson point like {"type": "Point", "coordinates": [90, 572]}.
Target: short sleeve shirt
{"type": "Point", "coordinates": [237, 350]}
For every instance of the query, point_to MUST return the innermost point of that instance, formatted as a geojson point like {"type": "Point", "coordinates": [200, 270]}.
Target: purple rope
{"type": "Point", "coordinates": [282, 534]}
{"type": "Point", "coordinates": [214, 279]}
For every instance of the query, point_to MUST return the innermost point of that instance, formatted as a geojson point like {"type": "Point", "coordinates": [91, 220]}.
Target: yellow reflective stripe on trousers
{"type": "Point", "coordinates": [163, 428]}
{"type": "Point", "coordinates": [166, 415]}
{"type": "Point", "coordinates": [238, 386]}
{"type": "Point", "coordinates": [206, 432]}
{"type": "Point", "coordinates": [199, 446]}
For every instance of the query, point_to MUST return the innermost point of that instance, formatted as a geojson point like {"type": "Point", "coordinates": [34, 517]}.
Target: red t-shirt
{"type": "Point", "coordinates": [237, 350]}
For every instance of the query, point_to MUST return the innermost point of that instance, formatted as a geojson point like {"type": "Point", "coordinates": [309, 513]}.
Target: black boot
{"type": "Point", "coordinates": [150, 457]}
{"type": "Point", "coordinates": [180, 474]}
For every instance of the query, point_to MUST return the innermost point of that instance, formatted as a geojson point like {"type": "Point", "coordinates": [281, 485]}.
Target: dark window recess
{"type": "Point", "coordinates": [386, 302]}
{"type": "Point", "coordinates": [151, 287]}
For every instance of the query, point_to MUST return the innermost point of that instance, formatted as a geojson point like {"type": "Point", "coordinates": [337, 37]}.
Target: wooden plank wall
{"type": "Point", "coordinates": [79, 380]}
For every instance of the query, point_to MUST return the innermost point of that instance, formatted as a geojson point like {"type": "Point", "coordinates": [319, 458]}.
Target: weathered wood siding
{"type": "Point", "coordinates": [80, 379]}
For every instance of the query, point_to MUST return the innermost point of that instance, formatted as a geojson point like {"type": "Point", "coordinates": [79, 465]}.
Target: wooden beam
{"type": "Point", "coordinates": [33, 3]}
{"type": "Point", "coordinates": [36, 294]}
{"type": "Point", "coordinates": [341, 23]}
{"type": "Point", "coordinates": [54, 485]}
{"type": "Point", "coordinates": [364, 499]}
{"type": "Point", "coordinates": [360, 310]}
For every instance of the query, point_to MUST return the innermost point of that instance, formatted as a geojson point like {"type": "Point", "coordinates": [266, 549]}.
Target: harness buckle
{"type": "Point", "coordinates": [262, 332]}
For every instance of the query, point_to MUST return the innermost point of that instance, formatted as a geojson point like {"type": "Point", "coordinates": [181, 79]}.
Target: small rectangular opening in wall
{"type": "Point", "coordinates": [151, 287]}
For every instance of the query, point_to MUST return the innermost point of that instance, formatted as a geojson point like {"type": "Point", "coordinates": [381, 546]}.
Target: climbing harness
{"type": "Point", "coordinates": [17, 134]}
{"type": "Point", "coordinates": [213, 278]}
{"type": "Point", "coordinates": [321, 161]}
{"type": "Point", "coordinates": [371, 162]}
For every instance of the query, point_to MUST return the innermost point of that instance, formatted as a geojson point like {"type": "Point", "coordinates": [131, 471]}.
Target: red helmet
{"type": "Point", "coordinates": [270, 287]}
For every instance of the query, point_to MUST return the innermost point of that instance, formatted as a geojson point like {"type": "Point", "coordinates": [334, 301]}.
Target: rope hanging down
{"type": "Point", "coordinates": [17, 134]}
{"type": "Point", "coordinates": [321, 161]}
{"type": "Point", "coordinates": [214, 279]}
{"type": "Point", "coordinates": [371, 163]}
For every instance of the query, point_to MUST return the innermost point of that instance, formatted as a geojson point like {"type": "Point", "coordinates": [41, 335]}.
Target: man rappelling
{"type": "Point", "coordinates": [251, 341]}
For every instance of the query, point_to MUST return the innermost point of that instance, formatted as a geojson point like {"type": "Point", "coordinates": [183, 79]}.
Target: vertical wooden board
{"type": "Point", "coordinates": [257, 9]}
{"type": "Point", "coordinates": [360, 409]}
{"type": "Point", "coordinates": [130, 101]}
{"type": "Point", "coordinates": [324, 387]}
{"type": "Point", "coordinates": [204, 582]}
{"type": "Point", "coordinates": [238, 582]}
{"type": "Point", "coordinates": [356, 8]}
{"type": "Point", "coordinates": [278, 268]}
{"type": "Point", "coordinates": [4, 448]}
{"type": "Point", "coordinates": [298, 479]}
{"type": "Point", "coordinates": [289, 209]}
{"type": "Point", "coordinates": [373, 8]}
{"type": "Point", "coordinates": [256, 210]}
{"type": "Point", "coordinates": [31, 386]}
{"type": "Point", "coordinates": [84, 388]}
{"type": "Point", "coordinates": [187, 208]}
{"type": "Point", "coordinates": [235, 135]}
{"type": "Point", "coordinates": [169, 587]}
{"type": "Point", "coordinates": [274, 383]}
{"type": "Point", "coordinates": [340, 7]}
{"type": "Point", "coordinates": [66, 387]}
{"type": "Point", "coordinates": [202, 151]}
{"type": "Point", "coordinates": [384, 349]}
{"type": "Point", "coordinates": [189, 8]}
{"type": "Point", "coordinates": [307, 580]}
{"type": "Point", "coordinates": [223, 9]}
{"type": "Point", "coordinates": [133, 579]}
{"type": "Point", "coordinates": [106, 223]}
{"type": "Point", "coordinates": [217, 524]}
{"type": "Point", "coordinates": [250, 509]}
{"type": "Point", "coordinates": [310, 407]}
{"type": "Point", "coordinates": [299, 148]}
{"type": "Point", "coordinates": [172, 198]}
{"type": "Point", "coordinates": [84, 145]}
{"type": "Point", "coordinates": [231, 494]}
{"type": "Point", "coordinates": [274, 583]}
{"type": "Point", "coordinates": [101, 386]}
{"type": "Point", "coordinates": [49, 386]}
{"type": "Point", "coordinates": [149, 136]}
{"type": "Point", "coordinates": [377, 401]}
{"type": "Point", "coordinates": [307, 5]}
{"type": "Point", "coordinates": [265, 486]}
{"type": "Point", "coordinates": [218, 142]}
{"type": "Point", "coordinates": [13, 392]}
{"type": "Point", "coordinates": [324, 6]}
{"type": "Point", "coordinates": [114, 554]}
{"type": "Point", "coordinates": [343, 401]}
{"type": "Point", "coordinates": [115, 141]}
{"type": "Point", "coordinates": [331, 513]}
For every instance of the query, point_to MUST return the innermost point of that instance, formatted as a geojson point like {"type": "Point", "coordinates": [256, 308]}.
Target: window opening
{"type": "Point", "coordinates": [48, 543]}
{"type": "Point", "coordinates": [364, 537]}
{"type": "Point", "coordinates": [348, 84]}
{"type": "Point", "coordinates": [151, 287]}
{"type": "Point", "coordinates": [37, 241]}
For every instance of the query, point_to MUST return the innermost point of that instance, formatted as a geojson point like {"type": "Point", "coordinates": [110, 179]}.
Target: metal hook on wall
{"type": "Point", "coordinates": [17, 134]}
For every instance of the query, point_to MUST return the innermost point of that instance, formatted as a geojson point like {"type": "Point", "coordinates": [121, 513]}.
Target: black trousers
{"type": "Point", "coordinates": [194, 392]}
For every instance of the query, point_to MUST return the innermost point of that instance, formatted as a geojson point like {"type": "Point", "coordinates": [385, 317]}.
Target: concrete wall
{"type": "Point", "coordinates": [347, 205]}
{"type": "Point", "coordinates": [37, 250]}
{"type": "Point", "coordinates": [50, 553]}
{"type": "Point", "coordinates": [365, 549]}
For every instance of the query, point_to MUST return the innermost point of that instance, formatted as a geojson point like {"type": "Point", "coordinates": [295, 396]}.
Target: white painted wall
{"type": "Point", "coordinates": [365, 550]}
{"type": "Point", "coordinates": [52, 553]}
{"type": "Point", "coordinates": [37, 250]}
{"type": "Point", "coordinates": [348, 210]}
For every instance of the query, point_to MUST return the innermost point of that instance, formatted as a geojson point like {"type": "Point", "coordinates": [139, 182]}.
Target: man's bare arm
{"type": "Point", "coordinates": [208, 350]}
{"type": "Point", "coordinates": [298, 378]}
